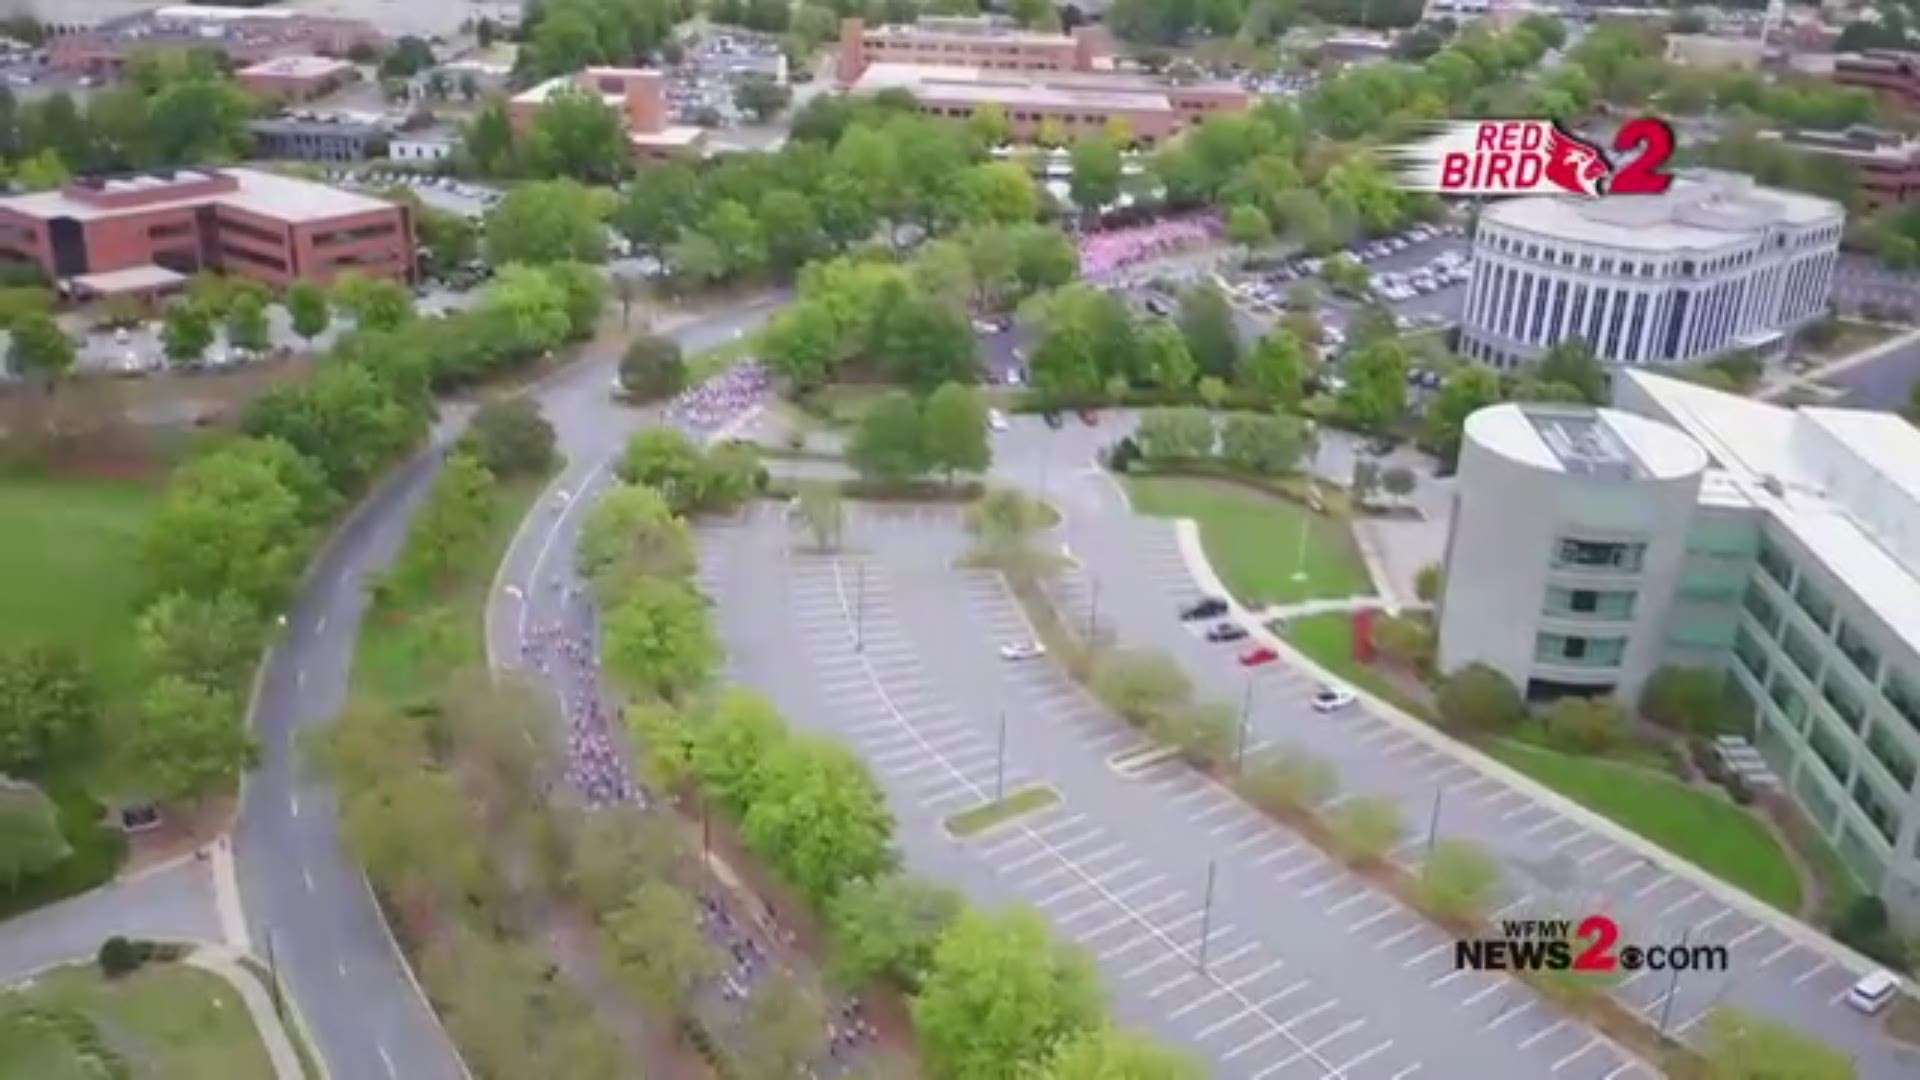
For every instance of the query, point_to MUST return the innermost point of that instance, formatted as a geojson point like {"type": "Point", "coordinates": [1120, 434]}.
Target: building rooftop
{"type": "Point", "coordinates": [1841, 481]}
{"type": "Point", "coordinates": [263, 193]}
{"type": "Point", "coordinates": [192, 13]}
{"type": "Point", "coordinates": [1703, 210]}
{"type": "Point", "coordinates": [970, 84]}
{"type": "Point", "coordinates": [1600, 444]}
{"type": "Point", "coordinates": [960, 29]}
{"type": "Point", "coordinates": [298, 67]}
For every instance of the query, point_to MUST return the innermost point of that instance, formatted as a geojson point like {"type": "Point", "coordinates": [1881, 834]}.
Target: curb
{"type": "Point", "coordinates": [1187, 533]}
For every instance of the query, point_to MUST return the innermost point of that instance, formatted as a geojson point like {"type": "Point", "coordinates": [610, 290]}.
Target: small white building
{"type": "Point", "coordinates": [429, 145]}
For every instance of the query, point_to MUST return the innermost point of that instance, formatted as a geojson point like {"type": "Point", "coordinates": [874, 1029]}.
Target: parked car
{"type": "Point", "coordinates": [1207, 607]}
{"type": "Point", "coordinates": [1052, 418]}
{"type": "Point", "coordinates": [1022, 650]}
{"type": "Point", "coordinates": [1873, 992]}
{"type": "Point", "coordinates": [1332, 699]}
{"type": "Point", "coordinates": [996, 420]}
{"type": "Point", "coordinates": [1226, 631]}
{"type": "Point", "coordinates": [1257, 656]}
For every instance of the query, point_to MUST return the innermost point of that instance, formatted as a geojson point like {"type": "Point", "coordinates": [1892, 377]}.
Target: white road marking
{"type": "Point", "coordinates": [1750, 932]}
{"type": "Point", "coordinates": [387, 1061]}
{"type": "Point", "coordinates": [1350, 901]}
{"type": "Point", "coordinates": [1702, 927]}
{"type": "Point", "coordinates": [1777, 954]}
{"type": "Point", "coordinates": [1524, 1006]}
{"type": "Point", "coordinates": [1570, 1058]}
{"type": "Point", "coordinates": [300, 679]}
{"type": "Point", "coordinates": [1399, 937]}
{"type": "Point", "coordinates": [1542, 1033]}
{"type": "Point", "coordinates": [1491, 988]}
{"type": "Point", "coordinates": [1371, 919]}
{"type": "Point", "coordinates": [293, 804]}
{"type": "Point", "coordinates": [1812, 971]}
{"type": "Point", "coordinates": [1346, 1066]}
{"type": "Point", "coordinates": [306, 875]}
{"type": "Point", "coordinates": [319, 624]}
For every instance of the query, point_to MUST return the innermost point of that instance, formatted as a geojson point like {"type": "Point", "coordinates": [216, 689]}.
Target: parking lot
{"type": "Point", "coordinates": [1296, 969]}
{"type": "Point", "coordinates": [1554, 863]}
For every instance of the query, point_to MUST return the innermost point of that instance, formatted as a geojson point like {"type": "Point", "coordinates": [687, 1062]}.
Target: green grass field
{"type": "Point", "coordinates": [978, 819]}
{"type": "Point", "coordinates": [70, 569]}
{"type": "Point", "coordinates": [1698, 826]}
{"type": "Point", "coordinates": [165, 1021]}
{"type": "Point", "coordinates": [1327, 640]}
{"type": "Point", "coordinates": [1253, 540]}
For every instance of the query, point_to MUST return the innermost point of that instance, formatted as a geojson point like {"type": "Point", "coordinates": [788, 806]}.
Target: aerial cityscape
{"type": "Point", "coordinates": [1017, 540]}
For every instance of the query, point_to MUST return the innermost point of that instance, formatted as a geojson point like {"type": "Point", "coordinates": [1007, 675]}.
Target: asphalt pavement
{"type": "Point", "coordinates": [171, 903]}
{"type": "Point", "coordinates": [307, 903]}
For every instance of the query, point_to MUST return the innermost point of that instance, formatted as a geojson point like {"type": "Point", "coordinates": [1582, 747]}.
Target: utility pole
{"type": "Point", "coordinates": [1246, 718]}
{"type": "Point", "coordinates": [1433, 819]}
{"type": "Point", "coordinates": [1206, 917]}
{"type": "Point", "coordinates": [1673, 984]}
{"type": "Point", "coordinates": [860, 607]}
{"type": "Point", "coordinates": [1000, 760]}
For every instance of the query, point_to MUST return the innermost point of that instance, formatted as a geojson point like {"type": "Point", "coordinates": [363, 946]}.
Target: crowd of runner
{"type": "Point", "coordinates": [1107, 252]}
{"type": "Point", "coordinates": [720, 400]}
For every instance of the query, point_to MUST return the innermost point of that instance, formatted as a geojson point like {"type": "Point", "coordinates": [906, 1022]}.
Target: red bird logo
{"type": "Point", "coordinates": [1575, 165]}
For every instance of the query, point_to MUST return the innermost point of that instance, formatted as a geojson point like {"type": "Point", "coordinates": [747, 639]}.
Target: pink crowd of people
{"type": "Point", "coordinates": [596, 766]}
{"type": "Point", "coordinates": [1112, 250]}
{"type": "Point", "coordinates": [720, 400]}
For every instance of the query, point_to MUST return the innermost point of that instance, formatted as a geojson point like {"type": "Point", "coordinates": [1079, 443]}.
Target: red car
{"type": "Point", "coordinates": [1257, 656]}
{"type": "Point", "coordinates": [1089, 417]}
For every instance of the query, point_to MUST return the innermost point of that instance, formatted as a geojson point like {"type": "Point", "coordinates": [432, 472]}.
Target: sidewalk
{"type": "Point", "coordinates": [218, 960]}
{"type": "Point", "coordinates": [1776, 388]}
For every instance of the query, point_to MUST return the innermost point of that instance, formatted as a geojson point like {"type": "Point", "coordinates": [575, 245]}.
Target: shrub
{"type": "Point", "coordinates": [1686, 699]}
{"type": "Point", "coordinates": [652, 368]}
{"type": "Point", "coordinates": [1405, 639]}
{"type": "Point", "coordinates": [1146, 687]}
{"type": "Point", "coordinates": [1459, 879]}
{"type": "Point", "coordinates": [1291, 780]}
{"type": "Point", "coordinates": [510, 436]}
{"type": "Point", "coordinates": [1479, 698]}
{"type": "Point", "coordinates": [1366, 828]}
{"type": "Point", "coordinates": [118, 957]}
{"type": "Point", "coordinates": [1585, 725]}
{"type": "Point", "coordinates": [1429, 583]}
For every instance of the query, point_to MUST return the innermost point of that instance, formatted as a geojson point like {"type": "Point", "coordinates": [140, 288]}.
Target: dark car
{"type": "Point", "coordinates": [1382, 446]}
{"type": "Point", "coordinates": [1226, 631]}
{"type": "Point", "coordinates": [1207, 607]}
{"type": "Point", "coordinates": [1159, 306]}
{"type": "Point", "coordinates": [1052, 418]}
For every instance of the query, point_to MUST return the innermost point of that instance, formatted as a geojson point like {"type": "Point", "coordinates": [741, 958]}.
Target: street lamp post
{"type": "Point", "coordinates": [1433, 819]}
{"type": "Point", "coordinates": [860, 607]}
{"type": "Point", "coordinates": [273, 978]}
{"type": "Point", "coordinates": [1093, 613]}
{"type": "Point", "coordinates": [1206, 917]}
{"type": "Point", "coordinates": [1673, 984]}
{"type": "Point", "coordinates": [1246, 718]}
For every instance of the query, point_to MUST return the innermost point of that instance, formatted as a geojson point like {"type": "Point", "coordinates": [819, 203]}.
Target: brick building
{"type": "Point", "coordinates": [639, 95]}
{"type": "Point", "coordinates": [1887, 162]}
{"type": "Point", "coordinates": [245, 35]}
{"type": "Point", "coordinates": [145, 232]}
{"type": "Point", "coordinates": [981, 43]}
{"type": "Point", "coordinates": [1895, 76]}
{"type": "Point", "coordinates": [296, 78]}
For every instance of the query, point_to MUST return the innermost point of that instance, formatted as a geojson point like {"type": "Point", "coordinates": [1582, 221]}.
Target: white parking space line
{"type": "Point", "coordinates": [1260, 832]}
{"type": "Point", "coordinates": [1399, 937]}
{"type": "Point", "coordinates": [1701, 927]}
{"type": "Point", "coordinates": [1277, 854]}
{"type": "Point", "coordinates": [1089, 935]}
{"type": "Point", "coordinates": [1304, 868]}
{"type": "Point", "coordinates": [1338, 878]}
{"type": "Point", "coordinates": [1812, 971]}
{"type": "Point", "coordinates": [1430, 953]}
{"type": "Point", "coordinates": [1623, 870]}
{"type": "Point", "coordinates": [1349, 901]}
{"type": "Point", "coordinates": [1371, 919]}
{"type": "Point", "coordinates": [1180, 923]}
{"type": "Point", "coordinates": [1214, 811]}
{"type": "Point", "coordinates": [1678, 904]}
{"type": "Point", "coordinates": [1653, 886]}
{"type": "Point", "coordinates": [1542, 1033]}
{"type": "Point", "coordinates": [1777, 954]}
{"type": "Point", "coordinates": [1543, 826]}
{"type": "Point", "coordinates": [1571, 1058]}
{"type": "Point", "coordinates": [1524, 1006]}
{"type": "Point", "coordinates": [1259, 836]}
{"type": "Point", "coordinates": [1745, 936]}
{"type": "Point", "coordinates": [1492, 988]}
{"type": "Point", "coordinates": [1346, 1066]}
{"type": "Point", "coordinates": [1218, 992]}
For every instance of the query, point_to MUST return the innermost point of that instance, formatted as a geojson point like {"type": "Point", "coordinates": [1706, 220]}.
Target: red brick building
{"type": "Point", "coordinates": [1895, 76]}
{"type": "Point", "coordinates": [244, 35]}
{"type": "Point", "coordinates": [639, 95]}
{"type": "Point", "coordinates": [964, 42]}
{"type": "Point", "coordinates": [143, 232]}
{"type": "Point", "coordinates": [295, 78]}
{"type": "Point", "coordinates": [1887, 162]}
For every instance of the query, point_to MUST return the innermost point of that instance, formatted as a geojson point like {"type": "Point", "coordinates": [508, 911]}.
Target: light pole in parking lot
{"type": "Point", "coordinates": [1673, 984]}
{"type": "Point", "coordinates": [1093, 614]}
{"type": "Point", "coordinates": [859, 607]}
{"type": "Point", "coordinates": [1433, 819]}
{"type": "Point", "coordinates": [1000, 760]}
{"type": "Point", "coordinates": [1246, 715]}
{"type": "Point", "coordinates": [1206, 917]}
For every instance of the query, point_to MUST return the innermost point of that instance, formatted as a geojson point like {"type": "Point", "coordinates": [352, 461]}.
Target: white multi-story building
{"type": "Point", "coordinates": [1687, 526]}
{"type": "Point", "coordinates": [1716, 264]}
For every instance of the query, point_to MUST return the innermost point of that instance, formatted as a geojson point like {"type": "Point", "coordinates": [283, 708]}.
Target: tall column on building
{"type": "Point", "coordinates": [853, 51]}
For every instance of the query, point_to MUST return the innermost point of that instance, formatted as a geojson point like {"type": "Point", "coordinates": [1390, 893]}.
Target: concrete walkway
{"type": "Point", "coordinates": [1193, 554]}
{"type": "Point", "coordinates": [221, 961]}
{"type": "Point", "coordinates": [1777, 388]}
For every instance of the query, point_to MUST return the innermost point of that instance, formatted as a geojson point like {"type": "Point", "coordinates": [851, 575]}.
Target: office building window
{"type": "Point", "coordinates": [1831, 748]}
{"type": "Point", "coordinates": [1846, 704]}
{"type": "Point", "coordinates": [1866, 659]}
{"type": "Point", "coordinates": [1904, 698]}
{"type": "Point", "coordinates": [1802, 651]}
{"type": "Point", "coordinates": [1892, 756]}
{"type": "Point", "coordinates": [1574, 651]}
{"type": "Point", "coordinates": [1814, 603]}
{"type": "Point", "coordinates": [1787, 697]}
{"type": "Point", "coordinates": [1877, 807]}
{"type": "Point", "coordinates": [1600, 555]}
{"type": "Point", "coordinates": [1590, 603]}
{"type": "Point", "coordinates": [1751, 654]}
{"type": "Point", "coordinates": [1776, 564]}
{"type": "Point", "coordinates": [1761, 608]}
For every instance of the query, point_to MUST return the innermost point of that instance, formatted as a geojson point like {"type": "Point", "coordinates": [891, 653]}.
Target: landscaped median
{"type": "Point", "coordinates": [975, 820]}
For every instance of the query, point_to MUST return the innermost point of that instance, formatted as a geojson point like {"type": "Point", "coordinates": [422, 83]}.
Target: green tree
{"type": "Point", "coordinates": [820, 818]}
{"type": "Point", "coordinates": [1096, 173]}
{"type": "Point", "coordinates": [1142, 685]}
{"type": "Point", "coordinates": [954, 431]}
{"type": "Point", "coordinates": [1206, 322]}
{"type": "Point", "coordinates": [1572, 362]}
{"type": "Point", "coordinates": [550, 221]}
{"type": "Point", "coordinates": [1686, 699]}
{"type": "Point", "coordinates": [307, 308]}
{"type": "Point", "coordinates": [1044, 258]}
{"type": "Point", "coordinates": [801, 344]}
{"type": "Point", "coordinates": [42, 171]}
{"type": "Point", "coordinates": [1000, 996]}
{"type": "Point", "coordinates": [1291, 780]}
{"type": "Point", "coordinates": [659, 639]}
{"type": "Point", "coordinates": [1277, 369]}
{"type": "Point", "coordinates": [49, 709]}
{"type": "Point", "coordinates": [373, 303]}
{"type": "Point", "coordinates": [890, 444]}
{"type": "Point", "coordinates": [651, 368]}
{"type": "Point", "coordinates": [736, 234]}
{"type": "Point", "coordinates": [1586, 725]}
{"type": "Point", "coordinates": [1459, 880]}
{"type": "Point", "coordinates": [818, 506]}
{"type": "Point", "coordinates": [792, 229]}
{"type": "Point", "coordinates": [30, 838]}
{"type": "Point", "coordinates": [247, 324]}
{"type": "Point", "coordinates": [760, 97]}
{"type": "Point", "coordinates": [1109, 1053]}
{"type": "Point", "coordinates": [488, 141]}
{"type": "Point", "coordinates": [1346, 275]}
{"type": "Point", "coordinates": [1248, 226]}
{"type": "Point", "coordinates": [1164, 359]}
{"type": "Point", "coordinates": [990, 126]}
{"type": "Point", "coordinates": [922, 342]}
{"type": "Point", "coordinates": [209, 640]}
{"type": "Point", "coordinates": [667, 461]}
{"type": "Point", "coordinates": [449, 528]}
{"type": "Point", "coordinates": [190, 738]}
{"type": "Point", "coordinates": [1466, 390]}
{"type": "Point", "coordinates": [632, 533]}
{"type": "Point", "coordinates": [1366, 827]}
{"type": "Point", "coordinates": [39, 349]}
{"type": "Point", "coordinates": [577, 135]}
{"type": "Point", "coordinates": [742, 730]}
{"type": "Point", "coordinates": [186, 333]}
{"type": "Point", "coordinates": [655, 947]}
{"type": "Point", "coordinates": [783, 1030]}
{"type": "Point", "coordinates": [227, 521]}
{"type": "Point", "coordinates": [1375, 397]}
{"type": "Point", "coordinates": [651, 214]}
{"type": "Point", "coordinates": [511, 437]}
{"type": "Point", "coordinates": [1742, 1046]}
{"type": "Point", "coordinates": [1265, 445]}
{"type": "Point", "coordinates": [1479, 698]}
{"type": "Point", "coordinates": [1000, 192]}
{"type": "Point", "coordinates": [1183, 434]}
{"type": "Point", "coordinates": [887, 927]}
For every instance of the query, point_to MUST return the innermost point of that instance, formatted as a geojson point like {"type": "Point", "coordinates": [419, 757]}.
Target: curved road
{"type": "Point", "coordinates": [308, 908]}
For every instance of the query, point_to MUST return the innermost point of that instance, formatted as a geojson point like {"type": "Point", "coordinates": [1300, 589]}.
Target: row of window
{"type": "Point", "coordinates": [347, 236]}
{"type": "Point", "coordinates": [1621, 555]}
{"type": "Point", "coordinates": [1573, 650]}
{"type": "Point", "coordinates": [1520, 247]}
{"type": "Point", "coordinates": [1590, 603]}
{"type": "Point", "coordinates": [276, 237]}
{"type": "Point", "coordinates": [229, 251]}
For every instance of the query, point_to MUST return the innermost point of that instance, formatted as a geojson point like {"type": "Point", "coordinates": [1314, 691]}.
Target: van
{"type": "Point", "coordinates": [1873, 992]}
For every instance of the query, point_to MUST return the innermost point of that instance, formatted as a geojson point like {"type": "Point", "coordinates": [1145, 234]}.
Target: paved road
{"type": "Point", "coordinates": [1883, 383]}
{"type": "Point", "coordinates": [305, 899]}
{"type": "Point", "coordinates": [175, 903]}
{"type": "Point", "coordinates": [1553, 862]}
{"type": "Point", "coordinates": [1121, 866]}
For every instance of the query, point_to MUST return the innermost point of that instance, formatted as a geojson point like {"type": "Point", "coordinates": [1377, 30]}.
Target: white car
{"type": "Point", "coordinates": [1332, 699]}
{"type": "Point", "coordinates": [1022, 650]}
{"type": "Point", "coordinates": [1873, 992]}
{"type": "Point", "coordinates": [996, 420]}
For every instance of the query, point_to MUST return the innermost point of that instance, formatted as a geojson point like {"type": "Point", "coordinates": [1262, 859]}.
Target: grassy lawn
{"type": "Point", "coordinates": [165, 1021]}
{"type": "Point", "coordinates": [70, 569]}
{"type": "Point", "coordinates": [1704, 829]}
{"type": "Point", "coordinates": [406, 650]}
{"type": "Point", "coordinates": [1027, 800]}
{"type": "Point", "coordinates": [1851, 338]}
{"type": "Point", "coordinates": [1327, 640]}
{"type": "Point", "coordinates": [1254, 540]}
